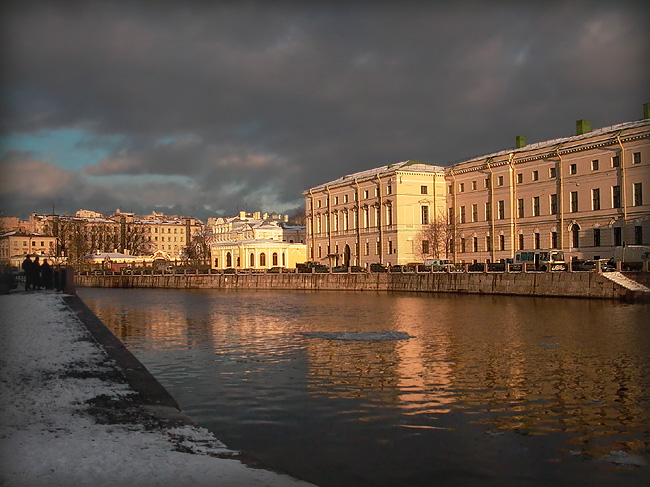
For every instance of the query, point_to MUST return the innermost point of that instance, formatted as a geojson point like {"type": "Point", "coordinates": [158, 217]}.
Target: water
{"type": "Point", "coordinates": [364, 389]}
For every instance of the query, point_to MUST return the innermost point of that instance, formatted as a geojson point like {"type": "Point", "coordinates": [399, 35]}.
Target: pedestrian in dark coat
{"type": "Point", "coordinates": [27, 267]}
{"type": "Point", "coordinates": [46, 275]}
{"type": "Point", "coordinates": [36, 273]}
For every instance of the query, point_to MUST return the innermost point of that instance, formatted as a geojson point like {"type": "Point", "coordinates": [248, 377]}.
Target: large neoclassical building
{"type": "Point", "coordinates": [582, 194]}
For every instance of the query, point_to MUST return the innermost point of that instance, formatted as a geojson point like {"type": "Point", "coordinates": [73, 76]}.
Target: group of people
{"type": "Point", "coordinates": [37, 276]}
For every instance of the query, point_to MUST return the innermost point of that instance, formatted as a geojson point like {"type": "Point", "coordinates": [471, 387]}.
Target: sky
{"type": "Point", "coordinates": [209, 108]}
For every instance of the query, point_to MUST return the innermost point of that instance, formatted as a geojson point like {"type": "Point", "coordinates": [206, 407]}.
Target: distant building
{"type": "Point", "coordinates": [90, 232]}
{"type": "Point", "coordinates": [15, 245]}
{"type": "Point", "coordinates": [256, 241]}
{"type": "Point", "coordinates": [582, 194]}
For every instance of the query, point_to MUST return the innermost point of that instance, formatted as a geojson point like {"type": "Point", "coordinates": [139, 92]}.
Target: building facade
{"type": "Point", "coordinates": [582, 194]}
{"type": "Point", "coordinates": [89, 232]}
{"type": "Point", "coordinates": [376, 215]}
{"type": "Point", "coordinates": [15, 245]}
{"type": "Point", "coordinates": [256, 241]}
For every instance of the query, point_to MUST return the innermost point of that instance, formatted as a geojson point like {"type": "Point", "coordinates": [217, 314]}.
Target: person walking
{"type": "Point", "coordinates": [27, 267]}
{"type": "Point", "coordinates": [46, 274]}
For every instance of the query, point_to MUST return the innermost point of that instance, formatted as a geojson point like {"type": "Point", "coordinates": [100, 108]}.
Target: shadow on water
{"type": "Point", "coordinates": [347, 389]}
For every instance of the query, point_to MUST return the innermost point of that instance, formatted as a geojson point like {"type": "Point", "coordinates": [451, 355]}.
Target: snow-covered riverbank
{"type": "Point", "coordinates": [55, 381]}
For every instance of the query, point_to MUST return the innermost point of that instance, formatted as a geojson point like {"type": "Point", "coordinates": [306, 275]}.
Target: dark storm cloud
{"type": "Point", "coordinates": [255, 102]}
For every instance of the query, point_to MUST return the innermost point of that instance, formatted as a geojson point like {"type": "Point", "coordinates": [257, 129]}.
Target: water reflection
{"type": "Point", "coordinates": [573, 370]}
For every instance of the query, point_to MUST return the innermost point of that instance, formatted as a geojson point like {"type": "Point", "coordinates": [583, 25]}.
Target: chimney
{"type": "Point", "coordinates": [256, 215]}
{"type": "Point", "coordinates": [242, 215]}
{"type": "Point", "coordinates": [520, 141]}
{"type": "Point", "coordinates": [646, 110]}
{"type": "Point", "coordinates": [583, 127]}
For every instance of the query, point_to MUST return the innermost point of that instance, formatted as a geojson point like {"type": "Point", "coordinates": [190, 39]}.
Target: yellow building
{"type": "Point", "coordinates": [256, 241]}
{"type": "Point", "coordinates": [582, 194]}
{"type": "Point", "coordinates": [15, 245]}
{"type": "Point", "coordinates": [376, 215]}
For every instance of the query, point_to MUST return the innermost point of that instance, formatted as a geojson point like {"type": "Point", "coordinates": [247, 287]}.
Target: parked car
{"type": "Point", "coordinates": [590, 265]}
{"type": "Point", "coordinates": [402, 268]}
{"type": "Point", "coordinates": [377, 267]}
{"type": "Point", "coordinates": [276, 270]}
{"type": "Point", "coordinates": [339, 269]}
{"type": "Point", "coordinates": [357, 268]}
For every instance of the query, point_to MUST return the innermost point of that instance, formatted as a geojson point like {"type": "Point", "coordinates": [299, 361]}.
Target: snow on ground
{"type": "Point", "coordinates": [51, 372]}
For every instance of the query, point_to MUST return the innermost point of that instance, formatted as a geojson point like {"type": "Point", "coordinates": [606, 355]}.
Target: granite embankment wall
{"type": "Point", "coordinates": [566, 284]}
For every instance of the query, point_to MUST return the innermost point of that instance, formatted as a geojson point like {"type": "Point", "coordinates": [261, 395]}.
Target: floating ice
{"type": "Point", "coordinates": [359, 336]}
{"type": "Point", "coordinates": [624, 458]}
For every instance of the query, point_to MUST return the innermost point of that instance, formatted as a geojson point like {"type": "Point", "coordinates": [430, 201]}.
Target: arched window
{"type": "Point", "coordinates": [575, 234]}
{"type": "Point", "coordinates": [275, 259]}
{"type": "Point", "coordinates": [262, 259]}
{"type": "Point", "coordinates": [228, 259]}
{"type": "Point", "coordinates": [252, 260]}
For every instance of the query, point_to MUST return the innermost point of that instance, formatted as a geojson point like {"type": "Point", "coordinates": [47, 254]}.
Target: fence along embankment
{"type": "Point", "coordinates": [562, 284]}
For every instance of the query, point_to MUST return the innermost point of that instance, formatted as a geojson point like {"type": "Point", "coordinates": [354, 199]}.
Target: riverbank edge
{"type": "Point", "coordinates": [154, 398]}
{"type": "Point", "coordinates": [588, 285]}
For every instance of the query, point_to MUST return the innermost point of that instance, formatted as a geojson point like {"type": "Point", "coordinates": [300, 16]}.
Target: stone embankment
{"type": "Point", "coordinates": [610, 285]}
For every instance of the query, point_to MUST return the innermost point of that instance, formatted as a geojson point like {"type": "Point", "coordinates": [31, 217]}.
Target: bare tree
{"type": "Point", "coordinates": [198, 248]}
{"type": "Point", "coordinates": [134, 239]}
{"type": "Point", "coordinates": [433, 239]}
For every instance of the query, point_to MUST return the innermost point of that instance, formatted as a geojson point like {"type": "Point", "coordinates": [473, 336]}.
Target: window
{"type": "Point", "coordinates": [423, 190]}
{"type": "Point", "coordinates": [345, 198]}
{"type": "Point", "coordinates": [462, 214]}
{"type": "Point", "coordinates": [616, 161]}
{"type": "Point", "coordinates": [520, 208]}
{"type": "Point", "coordinates": [274, 259]}
{"type": "Point", "coordinates": [474, 185]}
{"type": "Point", "coordinates": [262, 259]}
{"type": "Point", "coordinates": [367, 248]}
{"type": "Point", "coordinates": [502, 242]}
{"type": "Point", "coordinates": [521, 241]}
{"type": "Point", "coordinates": [450, 189]}
{"type": "Point", "coordinates": [616, 196]}
{"type": "Point", "coordinates": [365, 194]}
{"type": "Point", "coordinates": [461, 187]}
{"type": "Point", "coordinates": [474, 212]}
{"type": "Point", "coordinates": [336, 200]}
{"type": "Point", "coordinates": [252, 260]}
{"type": "Point", "coordinates": [376, 192]}
{"type": "Point", "coordinates": [573, 201]}
{"type": "Point", "coordinates": [425, 246]}
{"type": "Point", "coordinates": [638, 235]}
{"type": "Point", "coordinates": [389, 189]}
{"type": "Point", "coordinates": [520, 178]}
{"type": "Point", "coordinates": [551, 172]}
{"type": "Point", "coordinates": [575, 236]}
{"type": "Point", "coordinates": [500, 181]}
{"type": "Point", "coordinates": [535, 175]}
{"type": "Point", "coordinates": [573, 169]}
{"type": "Point", "coordinates": [636, 158]}
{"type": "Point", "coordinates": [463, 246]}
{"type": "Point", "coordinates": [366, 218]}
{"type": "Point", "coordinates": [618, 236]}
{"type": "Point", "coordinates": [488, 211]}
{"type": "Point", "coordinates": [425, 215]}
{"type": "Point", "coordinates": [554, 240]}
{"type": "Point", "coordinates": [595, 199]}
{"type": "Point", "coordinates": [488, 243]}
{"type": "Point", "coordinates": [537, 240]}
{"type": "Point", "coordinates": [475, 244]}
{"type": "Point", "coordinates": [390, 247]}
{"type": "Point", "coordinates": [594, 165]}
{"type": "Point", "coordinates": [535, 205]}
{"type": "Point", "coordinates": [637, 191]}
{"type": "Point", "coordinates": [389, 215]}
{"type": "Point", "coordinates": [596, 237]}
{"type": "Point", "coordinates": [377, 247]}
{"type": "Point", "coordinates": [450, 216]}
{"type": "Point", "coordinates": [502, 209]}
{"type": "Point", "coordinates": [486, 183]}
{"type": "Point", "coordinates": [318, 203]}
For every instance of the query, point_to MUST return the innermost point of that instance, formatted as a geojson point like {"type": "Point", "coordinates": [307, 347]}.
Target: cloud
{"type": "Point", "coordinates": [260, 101]}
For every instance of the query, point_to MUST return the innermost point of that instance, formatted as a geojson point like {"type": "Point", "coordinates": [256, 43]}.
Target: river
{"type": "Point", "coordinates": [378, 389]}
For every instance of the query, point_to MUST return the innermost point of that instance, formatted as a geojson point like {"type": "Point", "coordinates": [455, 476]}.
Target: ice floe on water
{"type": "Point", "coordinates": [359, 336]}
